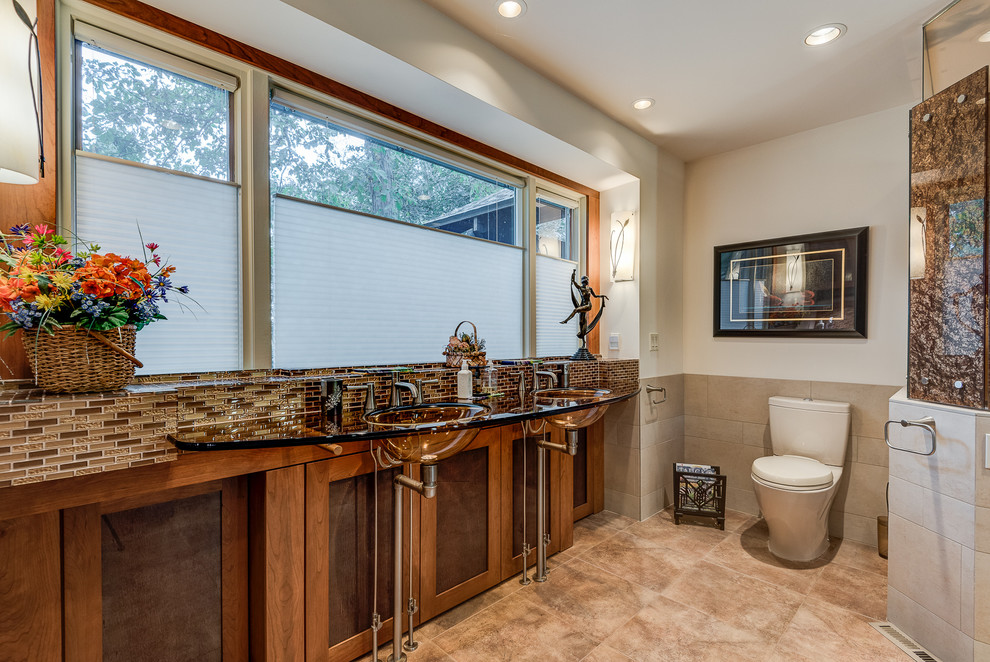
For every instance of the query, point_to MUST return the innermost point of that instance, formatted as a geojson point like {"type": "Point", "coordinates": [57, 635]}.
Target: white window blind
{"type": "Point", "coordinates": [553, 304]}
{"type": "Point", "coordinates": [195, 221]}
{"type": "Point", "coordinates": [349, 289]}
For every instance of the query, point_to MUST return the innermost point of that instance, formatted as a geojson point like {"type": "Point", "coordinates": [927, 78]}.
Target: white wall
{"type": "Point", "coordinates": [622, 314]}
{"type": "Point", "coordinates": [409, 54]}
{"type": "Point", "coordinates": [844, 175]}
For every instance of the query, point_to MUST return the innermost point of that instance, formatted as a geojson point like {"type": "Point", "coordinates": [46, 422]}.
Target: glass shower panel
{"type": "Point", "coordinates": [948, 317]}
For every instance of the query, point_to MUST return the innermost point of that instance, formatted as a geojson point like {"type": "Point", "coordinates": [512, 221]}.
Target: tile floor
{"type": "Point", "coordinates": [652, 590]}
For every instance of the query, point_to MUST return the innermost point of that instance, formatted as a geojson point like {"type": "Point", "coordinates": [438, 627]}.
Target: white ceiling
{"type": "Point", "coordinates": [725, 74]}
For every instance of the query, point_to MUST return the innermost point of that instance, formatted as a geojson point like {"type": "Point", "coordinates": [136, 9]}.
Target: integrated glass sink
{"type": "Point", "coordinates": [571, 397]}
{"type": "Point", "coordinates": [433, 430]}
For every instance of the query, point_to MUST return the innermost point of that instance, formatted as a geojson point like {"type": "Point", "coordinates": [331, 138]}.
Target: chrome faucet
{"type": "Point", "coordinates": [395, 401]}
{"type": "Point", "coordinates": [543, 373]}
{"type": "Point", "coordinates": [565, 380]}
{"type": "Point", "coordinates": [418, 399]}
{"type": "Point", "coordinates": [369, 394]}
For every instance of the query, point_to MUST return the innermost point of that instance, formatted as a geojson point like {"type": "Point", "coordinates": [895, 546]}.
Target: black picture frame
{"type": "Point", "coordinates": [804, 286]}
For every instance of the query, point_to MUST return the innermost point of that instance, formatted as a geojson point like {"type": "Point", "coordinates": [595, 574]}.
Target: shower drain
{"type": "Point", "coordinates": [904, 642]}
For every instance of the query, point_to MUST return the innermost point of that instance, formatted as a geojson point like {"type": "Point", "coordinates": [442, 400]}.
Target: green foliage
{"type": "Point", "coordinates": [140, 113]}
{"type": "Point", "coordinates": [313, 160]}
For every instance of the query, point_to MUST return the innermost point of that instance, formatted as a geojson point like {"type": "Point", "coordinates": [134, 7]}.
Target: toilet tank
{"type": "Point", "coordinates": [817, 429]}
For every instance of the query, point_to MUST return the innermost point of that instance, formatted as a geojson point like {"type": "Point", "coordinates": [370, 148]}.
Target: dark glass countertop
{"type": "Point", "coordinates": [302, 428]}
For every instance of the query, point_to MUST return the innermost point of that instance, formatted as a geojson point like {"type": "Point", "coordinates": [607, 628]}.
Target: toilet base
{"type": "Point", "coordinates": [798, 521]}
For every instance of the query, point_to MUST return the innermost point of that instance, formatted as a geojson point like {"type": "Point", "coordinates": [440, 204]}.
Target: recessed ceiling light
{"type": "Point", "coordinates": [643, 104]}
{"type": "Point", "coordinates": [985, 37]}
{"type": "Point", "coordinates": [510, 8]}
{"type": "Point", "coordinates": [825, 34]}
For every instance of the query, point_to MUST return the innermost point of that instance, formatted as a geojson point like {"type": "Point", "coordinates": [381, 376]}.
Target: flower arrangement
{"type": "Point", "coordinates": [465, 346]}
{"type": "Point", "coordinates": [43, 286]}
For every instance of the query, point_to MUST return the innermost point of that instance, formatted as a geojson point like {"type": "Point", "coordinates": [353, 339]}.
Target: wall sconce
{"type": "Point", "coordinates": [21, 145]}
{"type": "Point", "coordinates": [622, 246]}
{"type": "Point", "coordinates": [919, 216]}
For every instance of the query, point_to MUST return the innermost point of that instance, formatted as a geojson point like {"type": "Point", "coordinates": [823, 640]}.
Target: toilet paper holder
{"type": "Point", "coordinates": [927, 424]}
{"type": "Point", "coordinates": [656, 389]}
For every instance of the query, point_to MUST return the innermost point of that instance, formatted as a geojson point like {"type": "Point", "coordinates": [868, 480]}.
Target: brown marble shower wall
{"type": "Point", "coordinates": [948, 320]}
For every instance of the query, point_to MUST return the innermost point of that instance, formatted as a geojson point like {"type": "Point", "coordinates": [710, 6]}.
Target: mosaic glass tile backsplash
{"type": "Point", "coordinates": [47, 437]}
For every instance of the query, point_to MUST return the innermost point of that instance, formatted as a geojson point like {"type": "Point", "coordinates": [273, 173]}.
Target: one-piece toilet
{"type": "Point", "coordinates": [796, 485]}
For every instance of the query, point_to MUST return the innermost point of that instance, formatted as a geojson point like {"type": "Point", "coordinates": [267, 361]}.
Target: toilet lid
{"type": "Point", "coordinates": [792, 470]}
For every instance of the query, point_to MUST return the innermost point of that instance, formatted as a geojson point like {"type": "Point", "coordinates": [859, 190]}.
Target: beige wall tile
{"type": "Point", "coordinates": [713, 428]}
{"type": "Point", "coordinates": [654, 502]}
{"type": "Point", "coordinates": [625, 412]}
{"type": "Point", "coordinates": [907, 500]}
{"type": "Point", "coordinates": [945, 641]}
{"type": "Point", "coordinates": [622, 469]}
{"type": "Point", "coordinates": [746, 399]}
{"type": "Point", "coordinates": [982, 534]}
{"type": "Point", "coordinates": [926, 568]}
{"type": "Point", "coordinates": [661, 431]}
{"type": "Point", "coordinates": [734, 460]}
{"type": "Point", "coordinates": [657, 463]}
{"type": "Point", "coordinates": [869, 404]}
{"type": "Point", "coordinates": [621, 434]}
{"type": "Point", "coordinates": [870, 451]}
{"type": "Point", "coordinates": [757, 434]}
{"type": "Point", "coordinates": [981, 589]}
{"type": "Point", "coordinates": [696, 395]}
{"type": "Point", "coordinates": [862, 490]}
{"type": "Point", "coordinates": [743, 500]}
{"type": "Point", "coordinates": [967, 579]}
{"type": "Point", "coordinates": [674, 404]}
{"type": "Point", "coordinates": [952, 468]}
{"type": "Point", "coordinates": [949, 518]}
{"type": "Point", "coordinates": [852, 527]}
{"type": "Point", "coordinates": [622, 503]}
{"type": "Point", "coordinates": [981, 652]}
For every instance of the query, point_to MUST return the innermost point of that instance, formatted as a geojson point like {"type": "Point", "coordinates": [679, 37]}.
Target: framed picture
{"type": "Point", "coordinates": [804, 286]}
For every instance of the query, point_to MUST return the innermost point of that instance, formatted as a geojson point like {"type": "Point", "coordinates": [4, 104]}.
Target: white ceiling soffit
{"type": "Point", "coordinates": [724, 73]}
{"type": "Point", "coordinates": [280, 29]}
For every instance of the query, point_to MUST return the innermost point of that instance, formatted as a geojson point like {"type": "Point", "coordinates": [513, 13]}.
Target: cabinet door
{"type": "Point", "coordinates": [461, 548]}
{"type": "Point", "coordinates": [341, 553]}
{"type": "Point", "coordinates": [947, 328]}
{"type": "Point", "coordinates": [176, 558]}
{"type": "Point", "coordinates": [518, 503]}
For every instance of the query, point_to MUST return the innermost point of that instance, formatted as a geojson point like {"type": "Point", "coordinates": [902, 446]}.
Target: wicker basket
{"type": "Point", "coordinates": [473, 358]}
{"type": "Point", "coordinates": [74, 360]}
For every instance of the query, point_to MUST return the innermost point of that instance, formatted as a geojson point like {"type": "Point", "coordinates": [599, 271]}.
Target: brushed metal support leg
{"type": "Point", "coordinates": [541, 514]}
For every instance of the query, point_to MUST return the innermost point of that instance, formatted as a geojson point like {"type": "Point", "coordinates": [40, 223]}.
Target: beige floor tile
{"type": "Point", "coordinates": [857, 590]}
{"type": "Point", "coordinates": [820, 631]}
{"type": "Point", "coordinates": [749, 555]}
{"type": "Point", "coordinates": [731, 597]}
{"type": "Point", "coordinates": [515, 630]}
{"type": "Point", "coordinates": [690, 537]}
{"type": "Point", "coordinates": [427, 651]}
{"type": "Point", "coordinates": [854, 554]}
{"type": "Point", "coordinates": [641, 560]}
{"type": "Point", "coordinates": [452, 617]}
{"type": "Point", "coordinates": [595, 529]}
{"type": "Point", "coordinates": [606, 654]}
{"type": "Point", "coordinates": [590, 599]}
{"type": "Point", "coordinates": [668, 631]}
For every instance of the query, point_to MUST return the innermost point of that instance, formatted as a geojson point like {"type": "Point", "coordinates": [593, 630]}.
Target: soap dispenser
{"type": "Point", "coordinates": [464, 391]}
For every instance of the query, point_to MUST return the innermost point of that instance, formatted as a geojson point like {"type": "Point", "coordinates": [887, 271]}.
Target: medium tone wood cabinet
{"type": "Point", "coordinates": [274, 565]}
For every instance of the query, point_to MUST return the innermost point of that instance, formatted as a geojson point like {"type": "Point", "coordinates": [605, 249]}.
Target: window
{"type": "Point", "coordinates": [558, 237]}
{"type": "Point", "coordinates": [132, 114]}
{"type": "Point", "coordinates": [371, 244]}
{"type": "Point", "coordinates": [389, 237]}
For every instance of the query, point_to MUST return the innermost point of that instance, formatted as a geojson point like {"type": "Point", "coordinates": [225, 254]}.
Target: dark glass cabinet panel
{"type": "Point", "coordinates": [161, 581]}
{"type": "Point", "coordinates": [352, 553]}
{"type": "Point", "coordinates": [581, 495]}
{"type": "Point", "coordinates": [524, 494]}
{"type": "Point", "coordinates": [948, 318]}
{"type": "Point", "coordinates": [462, 519]}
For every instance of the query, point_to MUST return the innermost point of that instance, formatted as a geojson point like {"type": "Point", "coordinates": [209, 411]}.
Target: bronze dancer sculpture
{"type": "Point", "coordinates": [581, 308]}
